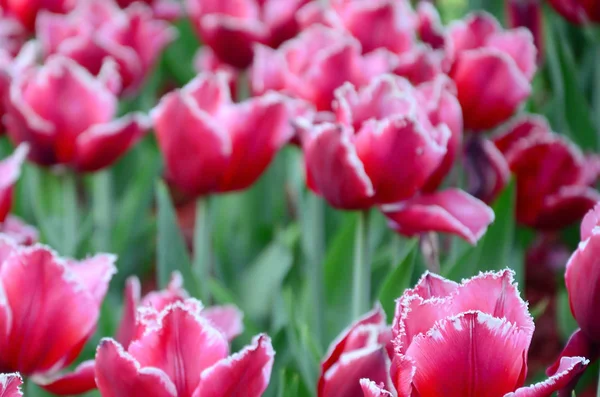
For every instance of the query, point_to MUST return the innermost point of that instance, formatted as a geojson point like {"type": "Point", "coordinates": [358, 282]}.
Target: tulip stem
{"type": "Point", "coordinates": [202, 247]}
{"type": "Point", "coordinates": [361, 281]}
{"type": "Point", "coordinates": [598, 389]}
{"type": "Point", "coordinates": [70, 213]}
{"type": "Point", "coordinates": [315, 251]}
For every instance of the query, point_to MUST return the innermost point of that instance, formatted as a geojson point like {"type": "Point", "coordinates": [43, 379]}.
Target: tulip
{"type": "Point", "coordinates": [10, 385]}
{"type": "Point", "coordinates": [81, 133]}
{"type": "Point", "coordinates": [162, 9]}
{"type": "Point", "coordinates": [479, 329]}
{"type": "Point", "coordinates": [179, 353]}
{"type": "Point", "coordinates": [40, 288]}
{"type": "Point", "coordinates": [527, 14]}
{"type": "Point", "coordinates": [430, 28]}
{"type": "Point", "coordinates": [227, 319]}
{"type": "Point", "coordinates": [486, 168]}
{"type": "Point", "coordinates": [99, 29]}
{"type": "Point", "coordinates": [212, 145]}
{"type": "Point", "coordinates": [26, 11]}
{"type": "Point", "coordinates": [577, 11]}
{"type": "Point", "coordinates": [205, 60]}
{"type": "Point", "coordinates": [358, 352]}
{"type": "Point", "coordinates": [376, 24]}
{"type": "Point", "coordinates": [420, 65]}
{"type": "Point", "coordinates": [12, 34]}
{"type": "Point", "coordinates": [492, 69]}
{"type": "Point", "coordinates": [552, 184]}
{"type": "Point", "coordinates": [231, 28]}
{"type": "Point", "coordinates": [314, 64]}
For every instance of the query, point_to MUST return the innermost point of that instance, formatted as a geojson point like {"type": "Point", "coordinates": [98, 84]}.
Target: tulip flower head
{"type": "Point", "coordinates": [480, 328]}
{"type": "Point", "coordinates": [180, 354]}
{"type": "Point", "coordinates": [577, 11]}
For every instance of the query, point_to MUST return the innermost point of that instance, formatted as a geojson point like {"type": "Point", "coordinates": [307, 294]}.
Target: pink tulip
{"type": "Point", "coordinates": [80, 133]}
{"type": "Point", "coordinates": [528, 14]}
{"type": "Point", "coordinates": [232, 27]}
{"type": "Point", "coordinates": [162, 9]}
{"type": "Point", "coordinates": [10, 385]}
{"type": "Point", "coordinates": [39, 288]}
{"type": "Point", "coordinates": [481, 329]}
{"type": "Point", "coordinates": [26, 11]}
{"type": "Point", "coordinates": [211, 144]}
{"type": "Point", "coordinates": [98, 29]}
{"type": "Point", "coordinates": [180, 354]}
{"type": "Point", "coordinates": [359, 352]}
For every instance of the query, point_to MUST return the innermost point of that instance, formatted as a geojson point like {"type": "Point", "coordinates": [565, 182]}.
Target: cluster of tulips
{"type": "Point", "coordinates": [391, 113]}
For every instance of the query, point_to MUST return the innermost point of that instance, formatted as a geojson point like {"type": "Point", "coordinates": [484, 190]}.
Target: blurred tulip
{"type": "Point", "coordinates": [10, 385]}
{"type": "Point", "coordinates": [227, 319]}
{"type": "Point", "coordinates": [481, 329]}
{"type": "Point", "coordinates": [552, 189]}
{"type": "Point", "coordinates": [163, 9]}
{"type": "Point", "coordinates": [179, 353]}
{"type": "Point", "coordinates": [98, 29]}
{"type": "Point", "coordinates": [376, 24]}
{"type": "Point", "coordinates": [358, 352]}
{"type": "Point", "coordinates": [492, 69]}
{"type": "Point", "coordinates": [232, 27]}
{"type": "Point", "coordinates": [80, 133]}
{"type": "Point", "coordinates": [205, 60]}
{"type": "Point", "coordinates": [528, 14]}
{"type": "Point", "coordinates": [578, 11]}
{"type": "Point", "coordinates": [486, 168]}
{"type": "Point", "coordinates": [40, 288]}
{"type": "Point", "coordinates": [26, 11]}
{"type": "Point", "coordinates": [430, 28]}
{"type": "Point", "coordinates": [314, 64]}
{"type": "Point", "coordinates": [12, 34]}
{"type": "Point", "coordinates": [212, 145]}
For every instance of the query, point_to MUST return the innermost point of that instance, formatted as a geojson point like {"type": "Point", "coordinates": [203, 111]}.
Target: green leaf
{"type": "Point", "coordinates": [262, 280]}
{"type": "Point", "coordinates": [399, 279]}
{"type": "Point", "coordinates": [172, 252]}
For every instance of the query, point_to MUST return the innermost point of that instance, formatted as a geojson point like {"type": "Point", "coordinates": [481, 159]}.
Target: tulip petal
{"type": "Point", "coordinates": [578, 345]}
{"type": "Point", "coordinates": [10, 170]}
{"type": "Point", "coordinates": [268, 70]}
{"type": "Point", "coordinates": [183, 346]}
{"type": "Point", "coordinates": [590, 221]}
{"type": "Point", "coordinates": [227, 319]}
{"type": "Point", "coordinates": [487, 170]}
{"type": "Point", "coordinates": [334, 170]}
{"type": "Point", "coordinates": [245, 373]}
{"type": "Point", "coordinates": [174, 292]}
{"type": "Point", "coordinates": [103, 144]}
{"type": "Point", "coordinates": [565, 379]}
{"type": "Point", "coordinates": [81, 380]}
{"type": "Point", "coordinates": [127, 328]}
{"type": "Point", "coordinates": [527, 127]}
{"type": "Point", "coordinates": [402, 372]}
{"type": "Point", "coordinates": [432, 285]}
{"type": "Point", "coordinates": [487, 355]}
{"type": "Point", "coordinates": [19, 231]}
{"type": "Point", "coordinates": [40, 289]}
{"type": "Point", "coordinates": [518, 43]}
{"type": "Point", "coordinates": [10, 385]}
{"type": "Point", "coordinates": [451, 211]}
{"type": "Point", "coordinates": [118, 374]}
{"type": "Point", "coordinates": [430, 28]}
{"type": "Point", "coordinates": [372, 389]}
{"type": "Point", "coordinates": [567, 206]}
{"type": "Point", "coordinates": [473, 31]}
{"type": "Point", "coordinates": [95, 273]}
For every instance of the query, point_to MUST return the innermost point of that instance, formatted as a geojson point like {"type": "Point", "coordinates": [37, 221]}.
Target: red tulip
{"type": "Point", "coordinates": [232, 27]}
{"type": "Point", "coordinates": [212, 145]}
{"type": "Point", "coordinates": [227, 319]}
{"type": "Point", "coordinates": [10, 385]}
{"type": "Point", "coordinates": [527, 14]}
{"type": "Point", "coordinates": [359, 352]}
{"type": "Point", "coordinates": [376, 24]}
{"type": "Point", "coordinates": [492, 69]}
{"type": "Point", "coordinates": [81, 133]}
{"type": "Point", "coordinates": [99, 29]}
{"type": "Point", "coordinates": [40, 288]}
{"type": "Point", "coordinates": [467, 339]}
{"type": "Point", "coordinates": [26, 11]}
{"type": "Point", "coordinates": [486, 168]}
{"type": "Point", "coordinates": [552, 185]}
{"type": "Point", "coordinates": [162, 9]}
{"type": "Point", "coordinates": [180, 354]}
{"type": "Point", "coordinates": [314, 64]}
{"type": "Point", "coordinates": [578, 11]}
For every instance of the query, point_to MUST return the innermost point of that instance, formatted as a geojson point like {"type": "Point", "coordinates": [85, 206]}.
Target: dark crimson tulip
{"type": "Point", "coordinates": [227, 319]}
{"type": "Point", "coordinates": [39, 288]}
{"type": "Point", "coordinates": [480, 324]}
{"type": "Point", "coordinates": [177, 353]}
{"type": "Point", "coordinates": [582, 278]}
{"type": "Point", "coordinates": [163, 9]}
{"type": "Point", "coordinates": [314, 64]}
{"type": "Point", "coordinates": [552, 184]}
{"type": "Point", "coordinates": [486, 168]}
{"type": "Point", "coordinates": [492, 69]}
{"type": "Point", "coordinates": [211, 144]}
{"type": "Point", "coordinates": [81, 133]}
{"type": "Point", "coordinates": [376, 24]}
{"type": "Point", "coordinates": [10, 385]}
{"type": "Point", "coordinates": [360, 351]}
{"type": "Point", "coordinates": [98, 29]}
{"type": "Point", "coordinates": [578, 11]}
{"type": "Point", "coordinates": [26, 11]}
{"type": "Point", "coordinates": [232, 27]}
{"type": "Point", "coordinates": [527, 14]}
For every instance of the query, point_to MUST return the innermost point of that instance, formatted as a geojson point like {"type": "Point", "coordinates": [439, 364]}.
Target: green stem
{"type": "Point", "coordinates": [598, 389]}
{"type": "Point", "coordinates": [361, 280]}
{"type": "Point", "coordinates": [315, 251]}
{"type": "Point", "coordinates": [70, 213]}
{"type": "Point", "coordinates": [102, 209]}
{"type": "Point", "coordinates": [202, 247]}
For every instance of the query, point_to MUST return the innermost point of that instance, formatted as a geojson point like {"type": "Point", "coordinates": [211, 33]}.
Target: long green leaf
{"type": "Point", "coordinates": [399, 279]}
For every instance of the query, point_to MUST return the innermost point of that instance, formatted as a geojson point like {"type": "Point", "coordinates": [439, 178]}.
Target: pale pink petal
{"type": "Point", "coordinates": [590, 221]}
{"type": "Point", "coordinates": [563, 380]}
{"type": "Point", "coordinates": [18, 230]}
{"type": "Point", "coordinates": [10, 385]}
{"type": "Point", "coordinates": [372, 389]}
{"type": "Point", "coordinates": [578, 345]}
{"type": "Point", "coordinates": [227, 319]}
{"type": "Point", "coordinates": [95, 273]}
